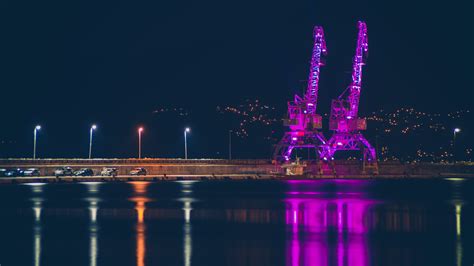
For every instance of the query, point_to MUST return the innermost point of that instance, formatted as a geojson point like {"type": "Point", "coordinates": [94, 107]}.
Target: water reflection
{"type": "Point", "coordinates": [327, 231]}
{"type": "Point", "coordinates": [458, 219]}
{"type": "Point", "coordinates": [187, 240]}
{"type": "Point", "coordinates": [320, 224]}
{"type": "Point", "coordinates": [140, 200]}
{"type": "Point", "coordinates": [187, 189]}
{"type": "Point", "coordinates": [457, 209]}
{"type": "Point", "coordinates": [93, 189]}
{"type": "Point", "coordinates": [37, 199]}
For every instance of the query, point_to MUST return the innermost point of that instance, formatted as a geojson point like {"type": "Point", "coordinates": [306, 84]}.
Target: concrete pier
{"type": "Point", "coordinates": [213, 169]}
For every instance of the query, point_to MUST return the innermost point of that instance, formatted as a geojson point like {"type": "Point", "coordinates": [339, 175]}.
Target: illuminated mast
{"type": "Point", "coordinates": [319, 48]}
{"type": "Point", "coordinates": [344, 110]}
{"type": "Point", "coordinates": [303, 120]}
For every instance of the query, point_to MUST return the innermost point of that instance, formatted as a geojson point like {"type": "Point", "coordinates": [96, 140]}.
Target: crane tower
{"type": "Point", "coordinates": [344, 120]}
{"type": "Point", "coordinates": [303, 121]}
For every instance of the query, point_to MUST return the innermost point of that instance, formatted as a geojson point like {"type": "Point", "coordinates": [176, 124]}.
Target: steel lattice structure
{"type": "Point", "coordinates": [302, 118]}
{"type": "Point", "coordinates": [344, 120]}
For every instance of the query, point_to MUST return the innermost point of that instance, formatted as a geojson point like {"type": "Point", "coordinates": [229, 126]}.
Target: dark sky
{"type": "Point", "coordinates": [67, 64]}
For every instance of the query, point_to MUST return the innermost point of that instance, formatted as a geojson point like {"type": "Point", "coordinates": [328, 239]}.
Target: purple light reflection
{"type": "Point", "coordinates": [327, 215]}
{"type": "Point", "coordinates": [326, 230]}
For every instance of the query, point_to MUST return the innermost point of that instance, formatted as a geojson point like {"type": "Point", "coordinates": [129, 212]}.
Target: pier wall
{"type": "Point", "coordinates": [232, 167]}
{"type": "Point", "coordinates": [153, 166]}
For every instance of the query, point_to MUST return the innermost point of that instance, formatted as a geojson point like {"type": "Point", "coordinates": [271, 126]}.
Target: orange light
{"type": "Point", "coordinates": [140, 199]}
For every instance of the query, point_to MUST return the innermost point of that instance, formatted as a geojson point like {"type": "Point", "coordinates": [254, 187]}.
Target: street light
{"type": "Point", "coordinates": [186, 130]}
{"type": "Point", "coordinates": [456, 130]}
{"type": "Point", "coordinates": [140, 130]}
{"type": "Point", "coordinates": [38, 127]}
{"type": "Point", "coordinates": [93, 127]}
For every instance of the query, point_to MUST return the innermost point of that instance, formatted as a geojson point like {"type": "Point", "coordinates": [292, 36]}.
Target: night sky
{"type": "Point", "coordinates": [66, 65]}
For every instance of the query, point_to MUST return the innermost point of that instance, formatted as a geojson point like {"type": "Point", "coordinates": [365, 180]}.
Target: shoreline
{"type": "Point", "coordinates": [228, 177]}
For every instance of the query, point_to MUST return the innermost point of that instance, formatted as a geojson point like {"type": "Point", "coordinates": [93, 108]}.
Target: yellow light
{"type": "Point", "coordinates": [458, 219]}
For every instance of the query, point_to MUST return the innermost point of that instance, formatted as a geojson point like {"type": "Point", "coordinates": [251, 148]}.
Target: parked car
{"type": "Point", "coordinates": [109, 171]}
{"type": "Point", "coordinates": [138, 171]}
{"type": "Point", "coordinates": [2, 171]}
{"type": "Point", "coordinates": [84, 172]}
{"type": "Point", "coordinates": [63, 171]}
{"type": "Point", "coordinates": [31, 172]}
{"type": "Point", "coordinates": [13, 172]}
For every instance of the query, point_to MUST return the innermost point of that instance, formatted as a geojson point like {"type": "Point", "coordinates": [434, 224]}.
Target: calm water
{"type": "Point", "coordinates": [322, 222]}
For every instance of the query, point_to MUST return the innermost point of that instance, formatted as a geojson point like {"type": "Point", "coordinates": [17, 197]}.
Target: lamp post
{"type": "Point", "coordinates": [140, 130]}
{"type": "Point", "coordinates": [456, 130]}
{"type": "Point", "coordinates": [93, 127]}
{"type": "Point", "coordinates": [230, 144]}
{"type": "Point", "coordinates": [186, 130]}
{"type": "Point", "coordinates": [38, 127]}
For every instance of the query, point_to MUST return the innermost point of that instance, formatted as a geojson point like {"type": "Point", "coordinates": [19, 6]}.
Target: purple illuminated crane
{"type": "Point", "coordinates": [302, 118]}
{"type": "Point", "coordinates": [344, 120]}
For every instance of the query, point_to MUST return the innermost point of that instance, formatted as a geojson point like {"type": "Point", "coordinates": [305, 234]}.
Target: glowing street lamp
{"type": "Point", "coordinates": [456, 130]}
{"type": "Point", "coordinates": [140, 130]}
{"type": "Point", "coordinates": [93, 127]}
{"type": "Point", "coordinates": [186, 130]}
{"type": "Point", "coordinates": [38, 127]}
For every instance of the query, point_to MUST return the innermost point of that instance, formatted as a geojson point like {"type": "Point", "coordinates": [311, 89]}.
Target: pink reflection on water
{"type": "Point", "coordinates": [326, 231]}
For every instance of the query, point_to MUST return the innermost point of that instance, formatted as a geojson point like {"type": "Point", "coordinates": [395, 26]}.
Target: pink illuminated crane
{"type": "Point", "coordinates": [344, 119]}
{"type": "Point", "coordinates": [302, 118]}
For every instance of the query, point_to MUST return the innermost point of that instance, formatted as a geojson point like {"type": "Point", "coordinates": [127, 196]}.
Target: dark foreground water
{"type": "Point", "coordinates": [321, 222]}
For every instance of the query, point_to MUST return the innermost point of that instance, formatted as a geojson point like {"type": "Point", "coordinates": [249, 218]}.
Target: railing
{"type": "Point", "coordinates": [65, 161]}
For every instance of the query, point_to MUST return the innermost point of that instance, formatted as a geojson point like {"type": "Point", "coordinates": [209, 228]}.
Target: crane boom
{"type": "Point", "coordinates": [359, 60]}
{"type": "Point", "coordinates": [319, 48]}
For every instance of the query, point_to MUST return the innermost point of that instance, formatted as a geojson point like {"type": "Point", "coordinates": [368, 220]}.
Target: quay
{"type": "Point", "coordinates": [215, 169]}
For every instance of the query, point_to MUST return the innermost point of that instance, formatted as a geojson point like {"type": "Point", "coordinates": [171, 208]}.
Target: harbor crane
{"type": "Point", "coordinates": [303, 121]}
{"type": "Point", "coordinates": [344, 120]}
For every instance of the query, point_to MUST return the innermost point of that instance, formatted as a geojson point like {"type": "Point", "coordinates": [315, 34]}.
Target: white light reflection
{"type": "Point", "coordinates": [187, 245]}
{"type": "Point", "coordinates": [37, 189]}
{"type": "Point", "coordinates": [187, 185]}
{"type": "Point", "coordinates": [93, 247]}
{"type": "Point", "coordinates": [458, 252]}
{"type": "Point", "coordinates": [34, 184]}
{"type": "Point", "coordinates": [93, 231]}
{"type": "Point", "coordinates": [37, 209]}
{"type": "Point", "coordinates": [37, 245]}
{"type": "Point", "coordinates": [187, 188]}
{"type": "Point", "coordinates": [93, 189]}
{"type": "Point", "coordinates": [187, 232]}
{"type": "Point", "coordinates": [187, 211]}
{"type": "Point", "coordinates": [458, 219]}
{"type": "Point", "coordinates": [458, 234]}
{"type": "Point", "coordinates": [455, 179]}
